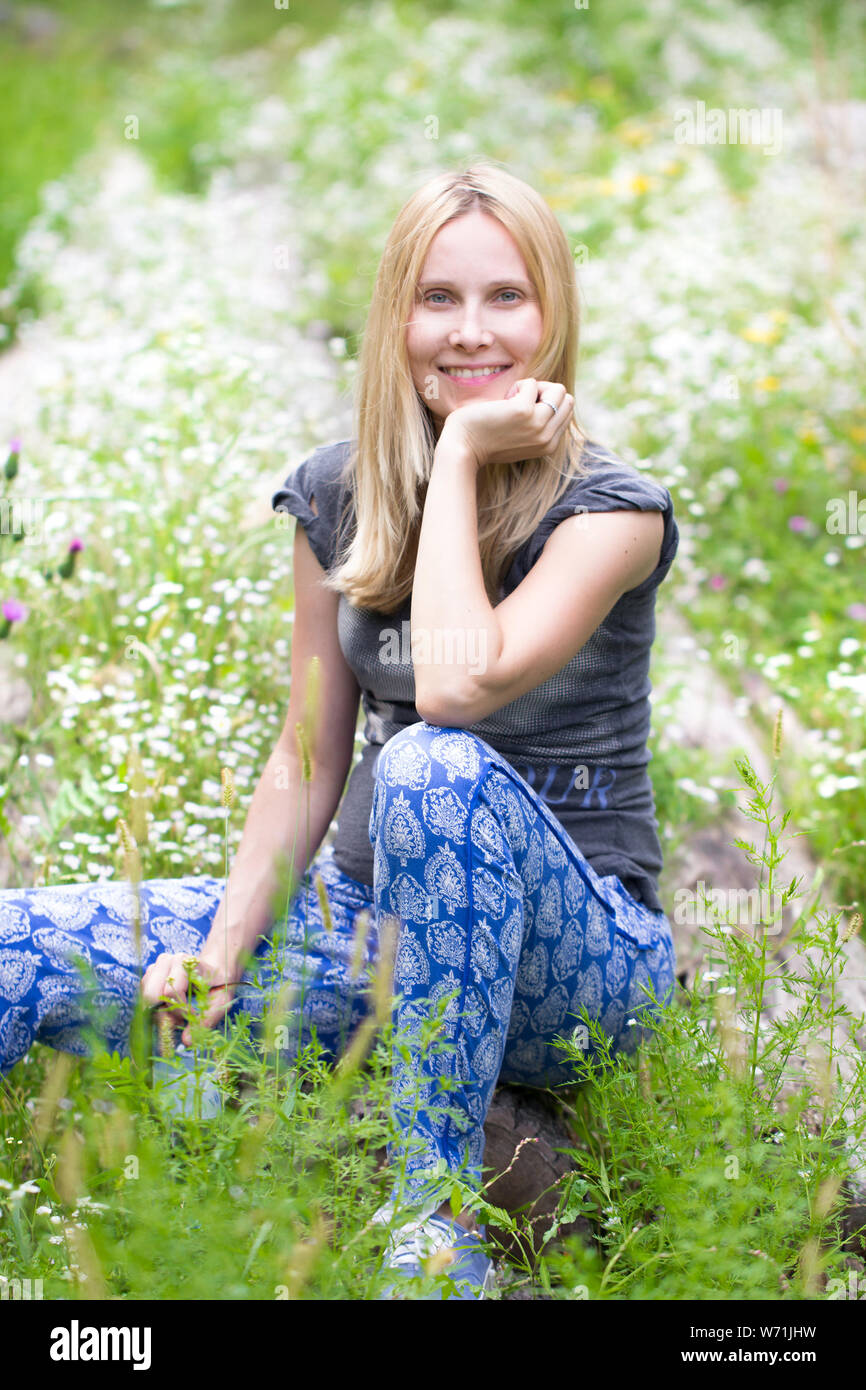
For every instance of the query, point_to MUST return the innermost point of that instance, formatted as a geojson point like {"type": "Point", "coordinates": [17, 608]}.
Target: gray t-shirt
{"type": "Point", "coordinates": [579, 739]}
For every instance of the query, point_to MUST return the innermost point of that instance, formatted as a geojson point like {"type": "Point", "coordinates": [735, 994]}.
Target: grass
{"type": "Point", "coordinates": [711, 1164]}
{"type": "Point", "coordinates": [159, 653]}
{"type": "Point", "coordinates": [102, 65]}
{"type": "Point", "coordinates": [718, 1165]}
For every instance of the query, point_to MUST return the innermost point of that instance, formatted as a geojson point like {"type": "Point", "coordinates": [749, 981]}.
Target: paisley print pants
{"type": "Point", "coordinates": [502, 931]}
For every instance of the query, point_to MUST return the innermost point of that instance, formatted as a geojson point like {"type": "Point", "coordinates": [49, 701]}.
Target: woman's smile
{"type": "Point", "coordinates": [473, 376]}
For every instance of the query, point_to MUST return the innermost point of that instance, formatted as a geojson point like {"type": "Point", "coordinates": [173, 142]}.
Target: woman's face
{"type": "Point", "coordinates": [476, 309]}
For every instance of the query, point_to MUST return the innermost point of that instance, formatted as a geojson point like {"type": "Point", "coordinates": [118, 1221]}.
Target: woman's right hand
{"type": "Point", "coordinates": [169, 976]}
{"type": "Point", "coordinates": [519, 426]}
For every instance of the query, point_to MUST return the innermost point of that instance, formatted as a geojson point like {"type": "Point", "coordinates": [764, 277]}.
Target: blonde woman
{"type": "Point", "coordinates": [482, 578]}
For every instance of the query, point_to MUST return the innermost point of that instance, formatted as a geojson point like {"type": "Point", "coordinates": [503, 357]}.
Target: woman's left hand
{"type": "Point", "coordinates": [521, 426]}
{"type": "Point", "coordinates": [168, 978]}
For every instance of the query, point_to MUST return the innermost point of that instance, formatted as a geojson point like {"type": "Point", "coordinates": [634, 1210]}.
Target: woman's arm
{"type": "Point", "coordinates": [493, 655]}
{"type": "Point", "coordinates": [287, 818]}
{"type": "Point", "coordinates": [281, 824]}
{"type": "Point", "coordinates": [449, 602]}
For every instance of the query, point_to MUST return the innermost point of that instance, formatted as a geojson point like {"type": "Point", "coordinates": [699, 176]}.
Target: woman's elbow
{"type": "Point", "coordinates": [451, 708]}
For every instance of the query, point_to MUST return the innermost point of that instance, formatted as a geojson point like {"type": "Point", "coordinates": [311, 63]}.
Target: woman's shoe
{"type": "Point", "coordinates": [468, 1268]}
{"type": "Point", "coordinates": [186, 1085]}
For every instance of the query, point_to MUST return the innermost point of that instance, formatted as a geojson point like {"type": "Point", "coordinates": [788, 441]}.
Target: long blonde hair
{"type": "Point", "coordinates": [392, 455]}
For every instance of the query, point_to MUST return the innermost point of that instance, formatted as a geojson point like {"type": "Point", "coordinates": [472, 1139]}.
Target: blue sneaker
{"type": "Point", "coordinates": [181, 1090]}
{"type": "Point", "coordinates": [454, 1252]}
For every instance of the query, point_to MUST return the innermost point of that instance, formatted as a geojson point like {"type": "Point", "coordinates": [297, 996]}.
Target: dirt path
{"type": "Point", "coordinates": [219, 273]}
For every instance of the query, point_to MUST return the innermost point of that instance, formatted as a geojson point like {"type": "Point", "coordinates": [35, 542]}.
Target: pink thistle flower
{"type": "Point", "coordinates": [718, 581]}
{"type": "Point", "coordinates": [13, 610]}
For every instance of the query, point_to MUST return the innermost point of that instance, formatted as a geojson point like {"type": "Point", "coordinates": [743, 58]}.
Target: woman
{"type": "Point", "coordinates": [484, 579]}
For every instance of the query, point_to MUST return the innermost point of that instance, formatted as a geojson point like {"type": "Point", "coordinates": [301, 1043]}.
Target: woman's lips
{"type": "Point", "coordinates": [475, 380]}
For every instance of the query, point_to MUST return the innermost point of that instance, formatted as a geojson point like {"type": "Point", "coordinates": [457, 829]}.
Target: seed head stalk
{"type": "Point", "coordinates": [132, 871]}
{"type": "Point", "coordinates": [227, 799]}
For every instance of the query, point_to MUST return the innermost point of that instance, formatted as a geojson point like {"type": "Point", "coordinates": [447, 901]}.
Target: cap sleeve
{"type": "Point", "coordinates": [323, 477]}
{"type": "Point", "coordinates": [608, 488]}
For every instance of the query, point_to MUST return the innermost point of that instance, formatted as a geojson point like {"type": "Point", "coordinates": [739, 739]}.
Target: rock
{"type": "Point", "coordinates": [853, 1220]}
{"type": "Point", "coordinates": [530, 1187]}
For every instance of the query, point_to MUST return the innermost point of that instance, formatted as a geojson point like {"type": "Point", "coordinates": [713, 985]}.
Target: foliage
{"type": "Point", "coordinates": [723, 309]}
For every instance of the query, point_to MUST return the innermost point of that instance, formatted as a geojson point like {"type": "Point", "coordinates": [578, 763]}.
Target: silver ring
{"type": "Point", "coordinates": [553, 407]}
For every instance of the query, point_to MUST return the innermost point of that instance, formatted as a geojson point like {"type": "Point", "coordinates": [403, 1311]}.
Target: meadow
{"type": "Point", "coordinates": [195, 200]}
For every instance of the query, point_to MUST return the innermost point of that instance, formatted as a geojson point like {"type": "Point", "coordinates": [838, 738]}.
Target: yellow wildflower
{"type": "Point", "coordinates": [640, 183]}
{"type": "Point", "coordinates": [760, 335]}
{"type": "Point", "coordinates": [634, 134]}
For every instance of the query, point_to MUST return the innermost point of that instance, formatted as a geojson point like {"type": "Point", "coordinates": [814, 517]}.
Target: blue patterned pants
{"type": "Point", "coordinates": [503, 930]}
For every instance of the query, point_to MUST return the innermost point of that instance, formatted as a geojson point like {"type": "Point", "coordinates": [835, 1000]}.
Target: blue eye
{"type": "Point", "coordinates": [443, 294]}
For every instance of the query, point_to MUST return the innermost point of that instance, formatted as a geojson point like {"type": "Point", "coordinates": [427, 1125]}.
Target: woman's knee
{"type": "Point", "coordinates": [413, 755]}
{"type": "Point", "coordinates": [440, 766]}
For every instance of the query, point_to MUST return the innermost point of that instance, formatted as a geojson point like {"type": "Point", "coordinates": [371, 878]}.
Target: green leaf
{"type": "Point", "coordinates": [605, 1186]}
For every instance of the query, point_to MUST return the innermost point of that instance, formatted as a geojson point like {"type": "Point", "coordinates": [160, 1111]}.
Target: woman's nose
{"type": "Point", "coordinates": [470, 329]}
